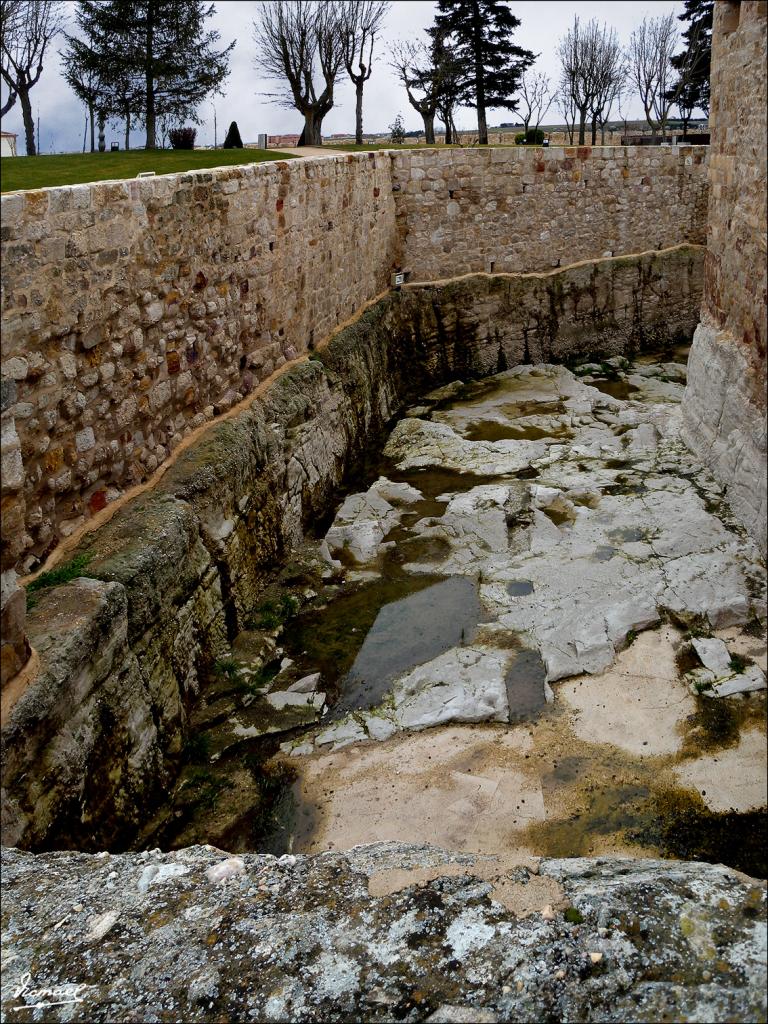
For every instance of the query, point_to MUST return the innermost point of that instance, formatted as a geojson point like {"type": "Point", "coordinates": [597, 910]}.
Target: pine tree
{"type": "Point", "coordinates": [159, 48]}
{"type": "Point", "coordinates": [694, 61]}
{"type": "Point", "coordinates": [480, 32]}
{"type": "Point", "coordinates": [233, 140]}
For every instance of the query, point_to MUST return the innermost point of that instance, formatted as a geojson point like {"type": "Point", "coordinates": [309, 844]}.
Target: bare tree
{"type": "Point", "coordinates": [361, 23]}
{"type": "Point", "coordinates": [574, 51]}
{"type": "Point", "coordinates": [300, 44]}
{"type": "Point", "coordinates": [84, 81]}
{"type": "Point", "coordinates": [567, 107]}
{"type": "Point", "coordinates": [412, 64]}
{"type": "Point", "coordinates": [449, 81]}
{"type": "Point", "coordinates": [651, 48]}
{"type": "Point", "coordinates": [9, 26]}
{"type": "Point", "coordinates": [26, 37]}
{"type": "Point", "coordinates": [536, 97]}
{"type": "Point", "coordinates": [609, 76]}
{"type": "Point", "coordinates": [592, 72]}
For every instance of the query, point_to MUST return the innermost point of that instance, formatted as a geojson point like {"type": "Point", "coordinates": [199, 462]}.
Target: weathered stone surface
{"type": "Point", "coordinates": [726, 427]}
{"type": "Point", "coordinates": [725, 402]}
{"type": "Point", "coordinates": [713, 655]}
{"type": "Point", "coordinates": [354, 936]}
{"type": "Point", "coordinates": [141, 352]}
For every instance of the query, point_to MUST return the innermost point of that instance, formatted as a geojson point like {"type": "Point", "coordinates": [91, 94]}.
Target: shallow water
{"type": "Point", "coordinates": [406, 633]}
{"type": "Point", "coordinates": [364, 633]}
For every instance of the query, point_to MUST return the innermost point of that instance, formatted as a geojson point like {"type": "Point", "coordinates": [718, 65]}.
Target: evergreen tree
{"type": "Point", "coordinates": [693, 63]}
{"type": "Point", "coordinates": [480, 32]}
{"type": "Point", "coordinates": [233, 140]}
{"type": "Point", "coordinates": [397, 131]}
{"type": "Point", "coordinates": [158, 48]}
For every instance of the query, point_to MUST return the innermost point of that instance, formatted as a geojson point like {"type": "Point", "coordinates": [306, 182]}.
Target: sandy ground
{"type": "Point", "coordinates": [521, 790]}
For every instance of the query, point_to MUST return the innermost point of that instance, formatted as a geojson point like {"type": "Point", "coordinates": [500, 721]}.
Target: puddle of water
{"type": "Point", "coordinates": [490, 430]}
{"type": "Point", "coordinates": [519, 410]}
{"type": "Point", "coordinates": [407, 633]}
{"type": "Point", "coordinates": [558, 518]}
{"type": "Point", "coordinates": [608, 810]}
{"type": "Point", "coordinates": [680, 825]}
{"type": "Point", "coordinates": [674, 354]}
{"type": "Point", "coordinates": [519, 588]}
{"type": "Point", "coordinates": [328, 639]}
{"type": "Point", "coordinates": [619, 388]}
{"type": "Point", "coordinates": [493, 388]}
{"type": "Point", "coordinates": [603, 553]}
{"type": "Point", "coordinates": [525, 685]}
{"type": "Point", "coordinates": [433, 482]}
{"type": "Point", "coordinates": [626, 534]}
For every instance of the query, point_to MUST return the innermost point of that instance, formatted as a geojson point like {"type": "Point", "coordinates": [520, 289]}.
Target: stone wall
{"type": "Point", "coordinates": [90, 745]}
{"type": "Point", "coordinates": [135, 311]}
{"type": "Point", "coordinates": [524, 209]}
{"type": "Point", "coordinates": [725, 402]}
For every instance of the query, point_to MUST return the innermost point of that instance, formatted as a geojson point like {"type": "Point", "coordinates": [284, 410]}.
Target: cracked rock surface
{"type": "Point", "coordinates": [581, 516]}
{"type": "Point", "coordinates": [381, 932]}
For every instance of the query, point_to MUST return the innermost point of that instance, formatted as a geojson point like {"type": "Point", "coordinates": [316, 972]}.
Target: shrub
{"type": "Point", "coordinates": [63, 574]}
{"type": "Point", "coordinates": [397, 131]}
{"type": "Point", "coordinates": [533, 137]}
{"type": "Point", "coordinates": [233, 140]}
{"type": "Point", "coordinates": [182, 138]}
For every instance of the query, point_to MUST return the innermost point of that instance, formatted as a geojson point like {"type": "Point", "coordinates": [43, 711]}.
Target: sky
{"type": "Point", "coordinates": [543, 22]}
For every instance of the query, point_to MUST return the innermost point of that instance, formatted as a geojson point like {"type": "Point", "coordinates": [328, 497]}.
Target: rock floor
{"type": "Point", "coordinates": [535, 639]}
{"type": "Point", "coordinates": [601, 553]}
{"type": "Point", "coordinates": [381, 933]}
{"type": "Point", "coordinates": [537, 631]}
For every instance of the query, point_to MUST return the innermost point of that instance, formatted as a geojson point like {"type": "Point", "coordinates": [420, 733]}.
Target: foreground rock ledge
{"type": "Point", "coordinates": [382, 932]}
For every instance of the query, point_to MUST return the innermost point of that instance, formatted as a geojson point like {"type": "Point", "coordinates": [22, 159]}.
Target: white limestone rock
{"type": "Point", "coordinates": [307, 684]}
{"type": "Point", "coordinates": [714, 655]}
{"type": "Point", "coordinates": [466, 684]}
{"type": "Point", "coordinates": [746, 682]}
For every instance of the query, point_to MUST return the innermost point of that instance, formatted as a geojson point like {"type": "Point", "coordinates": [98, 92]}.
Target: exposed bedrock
{"type": "Point", "coordinates": [726, 427]}
{"type": "Point", "coordinates": [383, 932]}
{"type": "Point", "coordinates": [187, 560]}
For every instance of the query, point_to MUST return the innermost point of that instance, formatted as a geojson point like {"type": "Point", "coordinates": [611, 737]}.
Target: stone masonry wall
{"type": "Point", "coordinates": [524, 209]}
{"type": "Point", "coordinates": [725, 401]}
{"type": "Point", "coordinates": [735, 298]}
{"type": "Point", "coordinates": [135, 311]}
{"type": "Point", "coordinates": [89, 747]}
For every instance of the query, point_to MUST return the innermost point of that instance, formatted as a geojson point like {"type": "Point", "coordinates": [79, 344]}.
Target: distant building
{"type": "Point", "coordinates": [279, 141]}
{"type": "Point", "coordinates": [7, 144]}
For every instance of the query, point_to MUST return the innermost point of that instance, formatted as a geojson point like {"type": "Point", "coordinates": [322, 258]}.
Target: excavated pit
{"type": "Point", "coordinates": [502, 662]}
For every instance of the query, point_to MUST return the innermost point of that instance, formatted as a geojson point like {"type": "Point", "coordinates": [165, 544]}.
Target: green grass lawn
{"type": "Point", "coordinates": [20, 172]}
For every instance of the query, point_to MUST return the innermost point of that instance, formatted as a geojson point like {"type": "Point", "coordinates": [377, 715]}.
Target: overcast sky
{"type": "Point", "coordinates": [543, 22]}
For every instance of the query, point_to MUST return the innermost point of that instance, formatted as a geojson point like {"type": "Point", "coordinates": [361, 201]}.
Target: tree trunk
{"type": "Point", "coordinates": [582, 127]}
{"type": "Point", "coordinates": [477, 31]}
{"type": "Point", "coordinates": [92, 116]}
{"type": "Point", "coordinates": [313, 123]}
{"type": "Point", "coordinates": [149, 81]}
{"type": "Point", "coordinates": [359, 110]}
{"type": "Point", "coordinates": [127, 130]}
{"type": "Point", "coordinates": [448, 135]}
{"type": "Point", "coordinates": [102, 139]}
{"type": "Point", "coordinates": [29, 121]}
{"type": "Point", "coordinates": [429, 128]}
{"type": "Point", "coordinates": [594, 131]}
